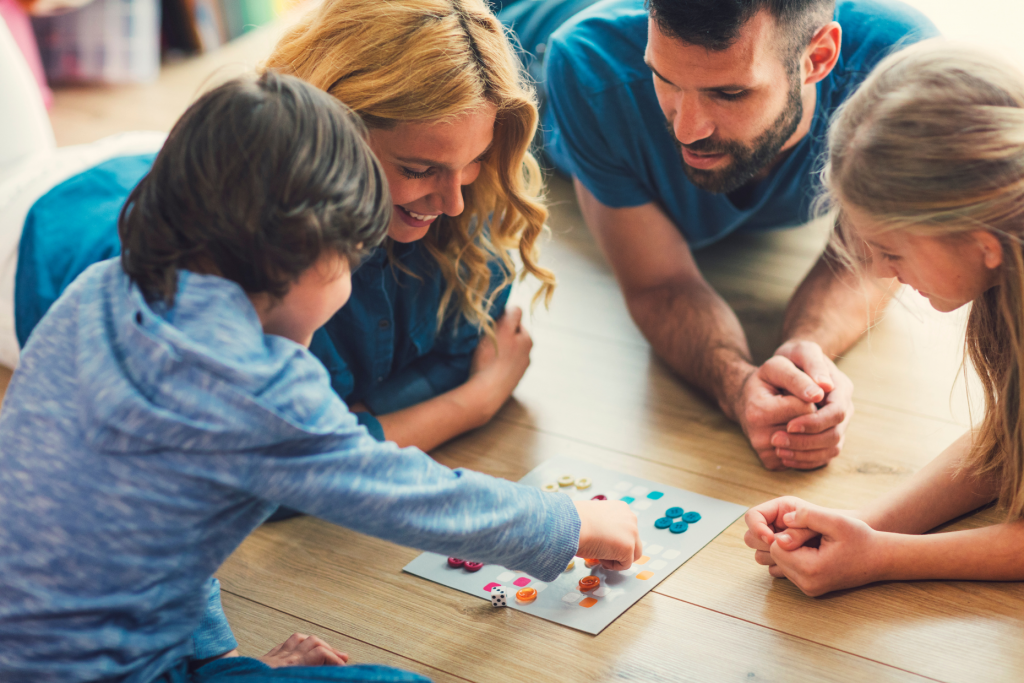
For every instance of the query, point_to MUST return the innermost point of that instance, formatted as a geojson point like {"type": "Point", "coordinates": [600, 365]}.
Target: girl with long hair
{"type": "Point", "coordinates": [451, 118]}
{"type": "Point", "coordinates": [926, 169]}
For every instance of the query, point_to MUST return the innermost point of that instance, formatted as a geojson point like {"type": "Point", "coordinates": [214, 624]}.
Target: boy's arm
{"type": "Point", "coordinates": [404, 496]}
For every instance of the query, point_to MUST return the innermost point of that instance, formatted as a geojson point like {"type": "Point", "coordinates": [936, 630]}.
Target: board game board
{"type": "Point", "coordinates": [561, 601]}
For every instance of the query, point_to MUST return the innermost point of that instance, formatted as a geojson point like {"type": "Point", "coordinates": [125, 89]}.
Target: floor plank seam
{"type": "Point", "coordinates": [803, 638]}
{"type": "Point", "coordinates": [345, 635]}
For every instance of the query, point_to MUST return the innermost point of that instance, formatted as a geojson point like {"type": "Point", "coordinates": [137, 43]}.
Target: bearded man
{"type": "Point", "coordinates": [684, 121]}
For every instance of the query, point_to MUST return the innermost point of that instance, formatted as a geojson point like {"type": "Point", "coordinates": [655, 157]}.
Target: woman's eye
{"type": "Point", "coordinates": [414, 174]}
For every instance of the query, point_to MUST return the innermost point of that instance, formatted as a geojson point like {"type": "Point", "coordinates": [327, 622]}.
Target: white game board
{"type": "Point", "coordinates": [561, 601]}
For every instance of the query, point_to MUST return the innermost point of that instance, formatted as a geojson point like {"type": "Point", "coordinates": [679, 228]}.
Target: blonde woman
{"type": "Point", "coordinates": [451, 119]}
{"type": "Point", "coordinates": [926, 168]}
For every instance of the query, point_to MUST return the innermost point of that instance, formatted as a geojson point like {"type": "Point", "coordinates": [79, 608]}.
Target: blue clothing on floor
{"type": "Point", "coordinates": [603, 124]}
{"type": "Point", "coordinates": [247, 670]}
{"type": "Point", "coordinates": [139, 445]}
{"type": "Point", "coordinates": [383, 349]}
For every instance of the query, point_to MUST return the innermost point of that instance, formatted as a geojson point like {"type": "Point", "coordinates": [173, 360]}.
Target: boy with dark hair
{"type": "Point", "coordinates": [167, 403]}
{"type": "Point", "coordinates": [684, 121]}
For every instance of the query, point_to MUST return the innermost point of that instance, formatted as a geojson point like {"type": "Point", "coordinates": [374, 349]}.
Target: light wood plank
{"type": "Point", "coordinates": [353, 584]}
{"type": "Point", "coordinates": [258, 629]}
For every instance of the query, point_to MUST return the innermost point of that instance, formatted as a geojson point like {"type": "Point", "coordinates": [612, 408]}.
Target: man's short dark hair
{"type": "Point", "coordinates": [257, 181]}
{"type": "Point", "coordinates": [716, 24]}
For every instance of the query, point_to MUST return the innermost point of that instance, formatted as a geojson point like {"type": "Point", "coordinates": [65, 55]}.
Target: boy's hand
{"type": "Point", "coordinates": [608, 532]}
{"type": "Point", "coordinates": [851, 552]}
{"type": "Point", "coordinates": [303, 650]}
{"type": "Point", "coordinates": [766, 525]}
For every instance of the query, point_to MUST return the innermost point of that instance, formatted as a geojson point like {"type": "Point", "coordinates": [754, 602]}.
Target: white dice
{"type": "Point", "coordinates": [499, 597]}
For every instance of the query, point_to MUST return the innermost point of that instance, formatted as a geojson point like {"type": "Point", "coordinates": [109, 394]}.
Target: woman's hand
{"type": "Point", "coordinates": [499, 364]}
{"type": "Point", "coordinates": [850, 553]}
{"type": "Point", "coordinates": [303, 650]}
{"type": "Point", "coordinates": [608, 532]}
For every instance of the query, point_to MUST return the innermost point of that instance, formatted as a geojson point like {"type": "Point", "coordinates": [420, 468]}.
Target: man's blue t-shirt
{"type": "Point", "coordinates": [603, 123]}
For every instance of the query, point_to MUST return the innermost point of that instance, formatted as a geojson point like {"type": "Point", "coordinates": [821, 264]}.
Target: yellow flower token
{"type": "Point", "coordinates": [567, 480]}
{"type": "Point", "coordinates": [583, 483]}
{"type": "Point", "coordinates": [572, 563]}
{"type": "Point", "coordinates": [549, 487]}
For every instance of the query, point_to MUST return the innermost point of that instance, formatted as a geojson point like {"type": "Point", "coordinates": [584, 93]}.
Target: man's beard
{"type": "Point", "coordinates": [747, 162]}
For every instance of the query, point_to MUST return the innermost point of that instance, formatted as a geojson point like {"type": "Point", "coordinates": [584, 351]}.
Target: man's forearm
{"type": "Point", "coordinates": [834, 306]}
{"type": "Point", "coordinates": [695, 332]}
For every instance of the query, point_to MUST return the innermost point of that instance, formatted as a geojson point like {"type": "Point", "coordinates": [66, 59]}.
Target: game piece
{"type": "Point", "coordinates": [583, 483]}
{"type": "Point", "coordinates": [562, 600]}
{"type": "Point", "coordinates": [691, 517]}
{"type": "Point", "coordinates": [566, 480]}
{"type": "Point", "coordinates": [672, 513]}
{"type": "Point", "coordinates": [550, 487]}
{"type": "Point", "coordinates": [663, 523]}
{"type": "Point", "coordinates": [473, 566]}
{"type": "Point", "coordinates": [676, 528]}
{"type": "Point", "coordinates": [600, 496]}
{"type": "Point", "coordinates": [499, 597]}
{"type": "Point", "coordinates": [591, 563]}
{"type": "Point", "coordinates": [526, 594]}
{"type": "Point", "coordinates": [589, 583]}
{"type": "Point", "coordinates": [455, 563]}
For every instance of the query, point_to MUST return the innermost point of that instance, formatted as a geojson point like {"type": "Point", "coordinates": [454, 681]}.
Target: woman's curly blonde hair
{"type": "Point", "coordinates": [399, 61]}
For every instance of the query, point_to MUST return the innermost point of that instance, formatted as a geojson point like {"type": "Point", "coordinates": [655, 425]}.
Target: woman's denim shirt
{"type": "Point", "coordinates": [383, 349]}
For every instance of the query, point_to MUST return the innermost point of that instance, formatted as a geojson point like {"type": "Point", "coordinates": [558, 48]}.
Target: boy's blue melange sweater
{"type": "Point", "coordinates": [139, 447]}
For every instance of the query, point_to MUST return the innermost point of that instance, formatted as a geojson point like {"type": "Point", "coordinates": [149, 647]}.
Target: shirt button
{"type": "Point", "coordinates": [384, 324]}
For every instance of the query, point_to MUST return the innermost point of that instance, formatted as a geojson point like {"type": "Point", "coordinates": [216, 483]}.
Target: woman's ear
{"type": "Point", "coordinates": [991, 248]}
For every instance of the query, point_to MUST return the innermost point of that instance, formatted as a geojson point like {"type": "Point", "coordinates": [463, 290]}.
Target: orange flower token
{"type": "Point", "coordinates": [591, 563]}
{"type": "Point", "coordinates": [526, 594]}
{"type": "Point", "coordinates": [589, 583]}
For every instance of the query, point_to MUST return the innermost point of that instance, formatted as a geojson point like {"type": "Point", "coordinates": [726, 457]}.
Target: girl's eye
{"type": "Point", "coordinates": [890, 257]}
{"type": "Point", "coordinates": [415, 175]}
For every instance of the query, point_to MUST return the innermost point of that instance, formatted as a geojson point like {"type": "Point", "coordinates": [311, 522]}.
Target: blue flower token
{"type": "Point", "coordinates": [674, 512]}
{"type": "Point", "coordinates": [691, 517]}
{"type": "Point", "coordinates": [663, 523]}
{"type": "Point", "coordinates": [678, 527]}
{"type": "Point", "coordinates": [655, 495]}
{"type": "Point", "coordinates": [627, 499]}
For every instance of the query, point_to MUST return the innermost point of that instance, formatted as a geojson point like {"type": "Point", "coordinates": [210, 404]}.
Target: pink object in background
{"type": "Point", "coordinates": [20, 26]}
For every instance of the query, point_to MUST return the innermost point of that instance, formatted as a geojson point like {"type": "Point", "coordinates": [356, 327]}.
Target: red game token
{"type": "Point", "coordinates": [473, 566]}
{"type": "Point", "coordinates": [455, 562]}
{"type": "Point", "coordinates": [589, 583]}
{"type": "Point", "coordinates": [600, 496]}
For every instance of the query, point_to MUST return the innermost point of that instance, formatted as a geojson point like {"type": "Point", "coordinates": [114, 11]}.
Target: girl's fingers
{"type": "Point", "coordinates": [776, 571]}
{"type": "Point", "coordinates": [793, 538]}
{"type": "Point", "coordinates": [763, 557]}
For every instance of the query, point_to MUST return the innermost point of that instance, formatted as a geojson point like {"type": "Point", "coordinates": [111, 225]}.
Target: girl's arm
{"type": "Point", "coordinates": [495, 371]}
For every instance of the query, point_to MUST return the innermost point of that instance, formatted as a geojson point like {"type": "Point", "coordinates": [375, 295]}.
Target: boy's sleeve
{"type": "Point", "coordinates": [213, 638]}
{"type": "Point", "coordinates": [404, 496]}
{"type": "Point", "coordinates": [445, 367]}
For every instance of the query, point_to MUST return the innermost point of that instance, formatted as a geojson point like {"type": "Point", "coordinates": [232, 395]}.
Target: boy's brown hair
{"type": "Point", "coordinates": [258, 180]}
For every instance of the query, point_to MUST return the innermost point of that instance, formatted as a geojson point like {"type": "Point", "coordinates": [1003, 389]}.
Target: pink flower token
{"type": "Point", "coordinates": [455, 562]}
{"type": "Point", "coordinates": [472, 566]}
{"type": "Point", "coordinates": [600, 496]}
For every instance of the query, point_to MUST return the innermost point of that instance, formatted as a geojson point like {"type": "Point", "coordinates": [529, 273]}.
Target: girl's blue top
{"type": "Point", "coordinates": [384, 349]}
{"type": "Point", "coordinates": [140, 444]}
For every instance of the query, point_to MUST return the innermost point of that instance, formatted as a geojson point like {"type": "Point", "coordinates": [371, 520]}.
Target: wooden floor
{"type": "Point", "coordinates": [595, 392]}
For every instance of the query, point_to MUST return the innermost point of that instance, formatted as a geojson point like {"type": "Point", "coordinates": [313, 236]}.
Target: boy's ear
{"type": "Point", "coordinates": [991, 248]}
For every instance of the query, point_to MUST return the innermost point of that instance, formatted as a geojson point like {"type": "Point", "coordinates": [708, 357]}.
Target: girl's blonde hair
{"type": "Point", "coordinates": [399, 61]}
{"type": "Point", "coordinates": [933, 144]}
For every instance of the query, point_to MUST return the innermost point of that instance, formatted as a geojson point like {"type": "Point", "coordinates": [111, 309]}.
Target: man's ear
{"type": "Point", "coordinates": [991, 248]}
{"type": "Point", "coordinates": [822, 53]}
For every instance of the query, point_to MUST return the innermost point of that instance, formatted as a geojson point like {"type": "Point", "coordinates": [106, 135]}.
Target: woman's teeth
{"type": "Point", "coordinates": [420, 216]}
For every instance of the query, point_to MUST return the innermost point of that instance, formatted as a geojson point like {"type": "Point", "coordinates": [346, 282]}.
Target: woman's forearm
{"type": "Point", "coordinates": [429, 424]}
{"type": "Point", "coordinates": [994, 553]}
{"type": "Point", "coordinates": [937, 493]}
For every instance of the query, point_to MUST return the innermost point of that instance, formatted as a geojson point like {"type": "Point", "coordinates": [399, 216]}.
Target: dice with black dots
{"type": "Point", "coordinates": [499, 597]}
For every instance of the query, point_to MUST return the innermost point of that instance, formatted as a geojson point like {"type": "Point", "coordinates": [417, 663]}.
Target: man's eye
{"type": "Point", "coordinates": [730, 96]}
